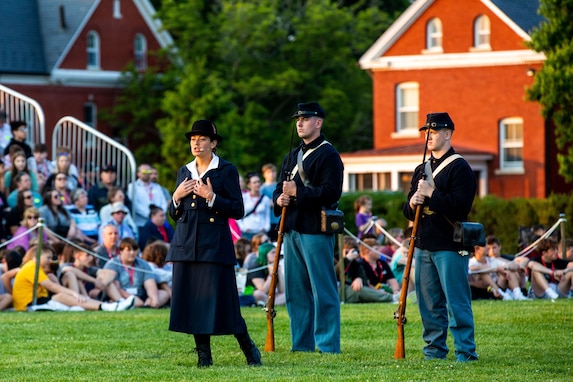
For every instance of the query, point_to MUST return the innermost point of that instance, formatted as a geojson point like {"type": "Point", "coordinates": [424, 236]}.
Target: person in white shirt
{"type": "Point", "coordinates": [257, 217]}
{"type": "Point", "coordinates": [146, 194]}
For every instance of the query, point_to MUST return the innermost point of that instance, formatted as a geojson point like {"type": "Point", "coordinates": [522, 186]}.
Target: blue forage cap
{"type": "Point", "coordinates": [310, 109]}
{"type": "Point", "coordinates": [438, 121]}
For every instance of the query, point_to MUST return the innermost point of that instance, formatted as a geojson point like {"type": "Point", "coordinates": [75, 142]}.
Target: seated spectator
{"type": "Point", "coordinates": [390, 246]}
{"type": "Point", "coordinates": [44, 168]}
{"type": "Point", "coordinates": [19, 164]}
{"type": "Point", "coordinates": [78, 273]}
{"type": "Point", "coordinates": [116, 194]}
{"type": "Point", "coordinates": [22, 181]}
{"type": "Point", "coordinates": [86, 218]}
{"type": "Point", "coordinates": [489, 274]}
{"type": "Point", "coordinates": [261, 279]}
{"type": "Point", "coordinates": [11, 261]}
{"type": "Point", "coordinates": [59, 182]}
{"type": "Point", "coordinates": [568, 250]}
{"type": "Point", "coordinates": [242, 248]}
{"type": "Point", "coordinates": [15, 216]}
{"type": "Point", "coordinates": [155, 254]}
{"type": "Point", "coordinates": [49, 290]}
{"type": "Point", "coordinates": [257, 240]}
{"type": "Point", "coordinates": [108, 249]}
{"type": "Point", "coordinates": [63, 163]}
{"type": "Point", "coordinates": [156, 228]}
{"type": "Point", "coordinates": [56, 217]}
{"type": "Point", "coordinates": [118, 213]}
{"type": "Point", "coordinates": [357, 288]}
{"type": "Point", "coordinates": [18, 143]}
{"type": "Point", "coordinates": [134, 276]}
{"type": "Point", "coordinates": [24, 238]}
{"type": "Point", "coordinates": [399, 258]}
{"type": "Point", "coordinates": [516, 265]}
{"type": "Point", "coordinates": [550, 277]}
{"type": "Point", "coordinates": [98, 195]}
{"type": "Point", "coordinates": [377, 271]}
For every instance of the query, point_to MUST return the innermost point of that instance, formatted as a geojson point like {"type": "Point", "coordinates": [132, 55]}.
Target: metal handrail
{"type": "Point", "coordinates": [23, 108]}
{"type": "Point", "coordinates": [90, 147]}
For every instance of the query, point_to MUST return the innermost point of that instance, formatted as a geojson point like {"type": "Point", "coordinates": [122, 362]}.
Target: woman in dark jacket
{"type": "Point", "coordinates": [205, 301]}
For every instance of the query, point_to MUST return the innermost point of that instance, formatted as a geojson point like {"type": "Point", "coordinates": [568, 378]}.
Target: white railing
{"type": "Point", "coordinates": [22, 108]}
{"type": "Point", "coordinates": [90, 147]}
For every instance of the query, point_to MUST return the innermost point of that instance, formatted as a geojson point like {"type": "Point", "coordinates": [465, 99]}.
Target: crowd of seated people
{"type": "Point", "coordinates": [84, 224]}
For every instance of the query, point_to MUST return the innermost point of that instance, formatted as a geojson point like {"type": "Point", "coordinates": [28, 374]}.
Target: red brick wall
{"type": "Point", "coordinates": [116, 38]}
{"type": "Point", "coordinates": [457, 29]}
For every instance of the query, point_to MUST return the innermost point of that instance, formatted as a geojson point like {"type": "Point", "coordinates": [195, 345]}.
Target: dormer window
{"type": "Point", "coordinates": [434, 35]}
{"type": "Point", "coordinates": [140, 51]}
{"type": "Point", "coordinates": [482, 33]}
{"type": "Point", "coordinates": [93, 53]}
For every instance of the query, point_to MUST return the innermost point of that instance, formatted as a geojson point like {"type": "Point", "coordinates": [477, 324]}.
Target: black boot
{"type": "Point", "coordinates": [249, 348]}
{"type": "Point", "coordinates": [203, 349]}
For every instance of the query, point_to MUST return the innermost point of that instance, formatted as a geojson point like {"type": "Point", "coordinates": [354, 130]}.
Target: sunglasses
{"type": "Point", "coordinates": [32, 217]}
{"type": "Point", "coordinates": [58, 196]}
{"type": "Point", "coordinates": [27, 196]}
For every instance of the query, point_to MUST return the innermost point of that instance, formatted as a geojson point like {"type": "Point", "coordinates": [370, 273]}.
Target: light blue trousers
{"type": "Point", "coordinates": [311, 294]}
{"type": "Point", "coordinates": [444, 299]}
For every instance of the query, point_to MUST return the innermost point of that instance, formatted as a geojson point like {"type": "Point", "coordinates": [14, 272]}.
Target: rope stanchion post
{"type": "Point", "coordinates": [38, 259]}
{"type": "Point", "coordinates": [342, 276]}
{"type": "Point", "coordinates": [563, 220]}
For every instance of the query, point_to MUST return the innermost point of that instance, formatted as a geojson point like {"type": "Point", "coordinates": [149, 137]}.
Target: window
{"type": "Point", "coordinates": [140, 51]}
{"type": "Point", "coordinates": [407, 100]}
{"type": "Point", "coordinates": [434, 35]}
{"type": "Point", "coordinates": [116, 9]}
{"type": "Point", "coordinates": [93, 50]}
{"type": "Point", "coordinates": [370, 181]}
{"type": "Point", "coordinates": [90, 114]}
{"type": "Point", "coordinates": [511, 144]}
{"type": "Point", "coordinates": [482, 32]}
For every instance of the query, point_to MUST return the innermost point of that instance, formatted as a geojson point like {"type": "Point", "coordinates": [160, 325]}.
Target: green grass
{"type": "Point", "coordinates": [516, 341]}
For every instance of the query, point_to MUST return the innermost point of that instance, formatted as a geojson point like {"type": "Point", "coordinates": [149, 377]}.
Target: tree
{"type": "Point", "coordinates": [246, 64]}
{"type": "Point", "coordinates": [553, 85]}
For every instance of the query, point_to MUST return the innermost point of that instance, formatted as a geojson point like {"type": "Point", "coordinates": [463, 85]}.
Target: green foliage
{"type": "Point", "coordinates": [136, 346]}
{"type": "Point", "coordinates": [553, 85]}
{"type": "Point", "coordinates": [245, 65]}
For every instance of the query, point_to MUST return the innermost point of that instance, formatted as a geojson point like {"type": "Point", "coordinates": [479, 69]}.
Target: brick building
{"type": "Point", "coordinates": [470, 59]}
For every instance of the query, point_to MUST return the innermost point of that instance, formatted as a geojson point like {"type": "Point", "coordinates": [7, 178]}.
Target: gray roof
{"type": "Point", "coordinates": [56, 38]}
{"type": "Point", "coordinates": [32, 37]}
{"type": "Point", "coordinates": [21, 45]}
{"type": "Point", "coordinates": [525, 13]}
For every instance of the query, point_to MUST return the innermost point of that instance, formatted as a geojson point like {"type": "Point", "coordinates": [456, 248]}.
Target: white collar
{"type": "Point", "coordinates": [192, 166]}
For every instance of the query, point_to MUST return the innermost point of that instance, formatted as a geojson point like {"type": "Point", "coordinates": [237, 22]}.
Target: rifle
{"type": "Point", "coordinates": [400, 313]}
{"type": "Point", "coordinates": [270, 306]}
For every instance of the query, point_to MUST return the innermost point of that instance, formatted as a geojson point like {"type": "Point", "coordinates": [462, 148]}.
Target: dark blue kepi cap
{"type": "Point", "coordinates": [438, 121]}
{"type": "Point", "coordinates": [310, 109]}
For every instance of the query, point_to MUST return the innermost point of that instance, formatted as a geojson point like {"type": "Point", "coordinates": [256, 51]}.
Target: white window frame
{"type": "Point", "coordinates": [482, 33]}
{"type": "Point", "coordinates": [434, 36]}
{"type": "Point", "coordinates": [93, 50]}
{"type": "Point", "coordinates": [140, 51]}
{"type": "Point", "coordinates": [117, 9]}
{"type": "Point", "coordinates": [506, 141]}
{"type": "Point", "coordinates": [402, 129]}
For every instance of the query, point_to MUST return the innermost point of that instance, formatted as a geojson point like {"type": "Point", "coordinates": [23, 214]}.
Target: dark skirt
{"type": "Point", "coordinates": [205, 300]}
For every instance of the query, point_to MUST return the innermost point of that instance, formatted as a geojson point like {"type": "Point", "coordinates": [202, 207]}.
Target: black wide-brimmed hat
{"type": "Point", "coordinates": [438, 121]}
{"type": "Point", "coordinates": [204, 127]}
{"type": "Point", "coordinates": [310, 109]}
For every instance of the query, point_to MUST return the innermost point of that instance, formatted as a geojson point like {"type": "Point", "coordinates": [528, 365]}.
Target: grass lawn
{"type": "Point", "coordinates": [516, 341]}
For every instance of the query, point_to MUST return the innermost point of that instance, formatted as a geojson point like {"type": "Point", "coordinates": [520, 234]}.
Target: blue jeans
{"type": "Point", "coordinates": [311, 294]}
{"type": "Point", "coordinates": [444, 299]}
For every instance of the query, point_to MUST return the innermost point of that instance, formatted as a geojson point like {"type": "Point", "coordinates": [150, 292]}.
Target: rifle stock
{"type": "Point", "coordinates": [270, 307]}
{"type": "Point", "coordinates": [400, 314]}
